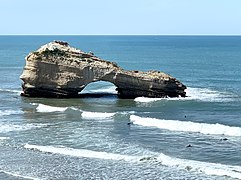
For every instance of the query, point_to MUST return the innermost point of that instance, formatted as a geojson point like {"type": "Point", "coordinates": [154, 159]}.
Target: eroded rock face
{"type": "Point", "coordinates": [58, 70]}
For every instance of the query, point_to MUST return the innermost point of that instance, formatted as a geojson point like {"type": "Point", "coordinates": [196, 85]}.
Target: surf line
{"type": "Point", "coordinates": [182, 164]}
{"type": "Point", "coordinates": [18, 175]}
{"type": "Point", "coordinates": [187, 126]}
{"type": "Point", "coordinates": [80, 153]}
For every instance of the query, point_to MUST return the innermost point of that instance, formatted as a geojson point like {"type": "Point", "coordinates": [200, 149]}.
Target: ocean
{"type": "Point", "coordinates": [197, 137]}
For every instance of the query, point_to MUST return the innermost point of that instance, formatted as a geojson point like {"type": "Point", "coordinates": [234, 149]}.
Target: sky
{"type": "Point", "coordinates": [120, 17]}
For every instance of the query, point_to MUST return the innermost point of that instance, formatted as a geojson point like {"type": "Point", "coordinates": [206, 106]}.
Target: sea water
{"type": "Point", "coordinates": [197, 137]}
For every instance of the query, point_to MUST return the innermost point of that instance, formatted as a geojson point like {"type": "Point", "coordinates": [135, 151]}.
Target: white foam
{"type": "Point", "coordinates": [12, 91]}
{"type": "Point", "coordinates": [96, 115]}
{"type": "Point", "coordinates": [4, 138]}
{"type": "Point", "coordinates": [4, 128]}
{"type": "Point", "coordinates": [34, 104]}
{"type": "Point", "coordinates": [184, 164]}
{"type": "Point", "coordinates": [201, 167]}
{"type": "Point", "coordinates": [10, 112]}
{"type": "Point", "coordinates": [199, 94]}
{"type": "Point", "coordinates": [80, 153]}
{"type": "Point", "coordinates": [18, 175]}
{"type": "Point", "coordinates": [187, 126]}
{"type": "Point", "coordinates": [46, 108]}
{"type": "Point", "coordinates": [208, 95]}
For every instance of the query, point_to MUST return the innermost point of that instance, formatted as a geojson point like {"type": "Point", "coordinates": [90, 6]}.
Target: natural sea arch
{"type": "Point", "coordinates": [57, 70]}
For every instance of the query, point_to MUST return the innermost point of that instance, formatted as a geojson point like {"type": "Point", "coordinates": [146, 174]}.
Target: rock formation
{"type": "Point", "coordinates": [58, 70]}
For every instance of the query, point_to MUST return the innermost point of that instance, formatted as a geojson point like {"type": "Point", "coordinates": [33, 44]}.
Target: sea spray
{"type": "Point", "coordinates": [197, 94]}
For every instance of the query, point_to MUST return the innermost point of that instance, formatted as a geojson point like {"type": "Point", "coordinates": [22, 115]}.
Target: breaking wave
{"type": "Point", "coordinates": [200, 167]}
{"type": "Point", "coordinates": [46, 108]}
{"type": "Point", "coordinates": [80, 152]}
{"type": "Point", "coordinates": [187, 126]}
{"type": "Point", "coordinates": [162, 159]}
{"type": "Point", "coordinates": [198, 94]}
{"type": "Point", "coordinates": [96, 115]}
{"type": "Point", "coordinates": [84, 114]}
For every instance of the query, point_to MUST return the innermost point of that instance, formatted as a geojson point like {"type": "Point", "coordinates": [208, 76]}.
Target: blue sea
{"type": "Point", "coordinates": [197, 137]}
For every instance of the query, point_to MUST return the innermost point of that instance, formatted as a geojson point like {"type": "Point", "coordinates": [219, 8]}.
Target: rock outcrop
{"type": "Point", "coordinates": [58, 70]}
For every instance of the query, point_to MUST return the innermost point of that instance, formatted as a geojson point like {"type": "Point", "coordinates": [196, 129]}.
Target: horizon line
{"type": "Point", "coordinates": [120, 34]}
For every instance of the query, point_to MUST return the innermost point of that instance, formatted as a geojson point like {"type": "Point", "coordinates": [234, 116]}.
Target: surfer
{"type": "Point", "coordinates": [224, 139]}
{"type": "Point", "coordinates": [189, 145]}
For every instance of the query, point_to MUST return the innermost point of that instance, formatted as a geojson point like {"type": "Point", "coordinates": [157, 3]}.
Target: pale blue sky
{"type": "Point", "coordinates": [162, 17]}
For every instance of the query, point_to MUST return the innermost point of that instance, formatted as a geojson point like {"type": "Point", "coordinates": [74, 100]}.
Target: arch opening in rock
{"type": "Point", "coordinates": [99, 88]}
